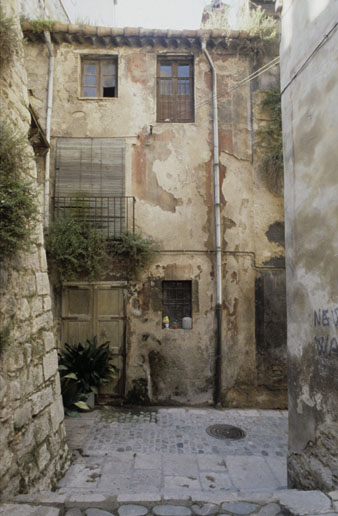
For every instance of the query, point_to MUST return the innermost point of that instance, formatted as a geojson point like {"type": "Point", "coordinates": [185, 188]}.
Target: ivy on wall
{"type": "Point", "coordinates": [134, 249]}
{"type": "Point", "coordinates": [75, 250]}
{"type": "Point", "coordinates": [270, 138]}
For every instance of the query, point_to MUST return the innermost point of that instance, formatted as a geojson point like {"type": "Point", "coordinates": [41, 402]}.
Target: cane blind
{"type": "Point", "coordinates": [90, 166]}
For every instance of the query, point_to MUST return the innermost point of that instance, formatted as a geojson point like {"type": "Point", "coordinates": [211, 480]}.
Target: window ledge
{"type": "Point", "coordinates": [176, 329]}
{"type": "Point", "coordinates": [180, 123]}
{"type": "Point", "coordinates": [98, 98]}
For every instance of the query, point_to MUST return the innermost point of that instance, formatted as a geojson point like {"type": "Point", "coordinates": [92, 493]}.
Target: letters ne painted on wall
{"type": "Point", "coordinates": [326, 320]}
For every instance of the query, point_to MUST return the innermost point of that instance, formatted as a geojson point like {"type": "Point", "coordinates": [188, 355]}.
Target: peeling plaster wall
{"type": "Point", "coordinates": [170, 174]}
{"type": "Point", "coordinates": [33, 449]}
{"type": "Point", "coordinates": [310, 115]}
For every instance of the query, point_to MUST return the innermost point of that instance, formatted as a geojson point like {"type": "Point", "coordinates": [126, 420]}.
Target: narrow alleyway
{"type": "Point", "coordinates": [162, 461]}
{"type": "Point", "coordinates": [168, 452]}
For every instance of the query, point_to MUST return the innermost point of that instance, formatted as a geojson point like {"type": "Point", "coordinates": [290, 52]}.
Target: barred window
{"type": "Point", "coordinates": [177, 301]}
{"type": "Point", "coordinates": [99, 76]}
{"type": "Point", "coordinates": [175, 89]}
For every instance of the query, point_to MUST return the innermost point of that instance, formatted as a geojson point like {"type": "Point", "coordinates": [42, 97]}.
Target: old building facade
{"type": "Point", "coordinates": [132, 120]}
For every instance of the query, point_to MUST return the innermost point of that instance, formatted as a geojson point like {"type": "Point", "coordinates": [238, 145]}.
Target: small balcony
{"type": "Point", "coordinates": [111, 215]}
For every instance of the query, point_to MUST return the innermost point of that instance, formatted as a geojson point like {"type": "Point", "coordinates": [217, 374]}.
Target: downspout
{"type": "Point", "coordinates": [48, 123]}
{"type": "Point", "coordinates": [217, 215]}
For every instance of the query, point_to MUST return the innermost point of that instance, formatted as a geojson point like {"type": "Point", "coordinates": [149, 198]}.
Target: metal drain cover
{"type": "Point", "coordinates": [225, 432]}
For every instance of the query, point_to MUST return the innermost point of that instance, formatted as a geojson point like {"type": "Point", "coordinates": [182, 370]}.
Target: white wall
{"type": "Point", "coordinates": [309, 64]}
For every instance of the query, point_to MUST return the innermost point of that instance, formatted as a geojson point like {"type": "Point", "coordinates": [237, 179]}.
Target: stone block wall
{"type": "Point", "coordinates": [33, 450]}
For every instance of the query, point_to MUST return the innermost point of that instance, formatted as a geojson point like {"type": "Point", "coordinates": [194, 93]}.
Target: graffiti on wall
{"type": "Point", "coordinates": [326, 342]}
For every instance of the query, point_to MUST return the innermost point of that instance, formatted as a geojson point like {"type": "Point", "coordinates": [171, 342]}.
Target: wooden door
{"type": "Point", "coordinates": [97, 309]}
{"type": "Point", "coordinates": [109, 324]}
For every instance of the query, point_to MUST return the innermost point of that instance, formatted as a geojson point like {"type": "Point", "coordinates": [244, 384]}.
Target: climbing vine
{"type": "Point", "coordinates": [136, 250]}
{"type": "Point", "coordinates": [270, 138]}
{"type": "Point", "coordinates": [76, 250]}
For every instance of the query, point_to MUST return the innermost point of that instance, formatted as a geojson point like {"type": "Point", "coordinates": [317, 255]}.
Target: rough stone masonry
{"type": "Point", "coordinates": [33, 450]}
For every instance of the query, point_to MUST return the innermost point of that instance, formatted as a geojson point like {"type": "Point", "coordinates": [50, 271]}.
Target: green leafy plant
{"type": "Point", "coordinates": [10, 41]}
{"type": "Point", "coordinates": [75, 249]}
{"type": "Point", "coordinates": [270, 138]}
{"type": "Point", "coordinates": [88, 364]}
{"type": "Point", "coordinates": [135, 249]}
{"type": "Point", "coordinates": [18, 208]}
{"type": "Point", "coordinates": [257, 23]}
{"type": "Point", "coordinates": [39, 24]}
{"type": "Point", "coordinates": [72, 396]}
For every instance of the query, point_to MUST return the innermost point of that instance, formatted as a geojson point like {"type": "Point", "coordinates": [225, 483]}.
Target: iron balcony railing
{"type": "Point", "coordinates": [111, 215]}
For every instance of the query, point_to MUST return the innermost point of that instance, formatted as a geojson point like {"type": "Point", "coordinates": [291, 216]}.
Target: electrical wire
{"type": "Point", "coordinates": [306, 62]}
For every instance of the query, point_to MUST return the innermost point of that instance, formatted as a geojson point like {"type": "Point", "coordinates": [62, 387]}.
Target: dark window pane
{"type": "Point", "coordinates": [89, 92]}
{"type": "Point", "coordinates": [109, 92]}
{"type": "Point", "coordinates": [166, 71]}
{"type": "Point", "coordinates": [183, 70]}
{"type": "Point", "coordinates": [90, 68]}
{"type": "Point", "coordinates": [90, 80]}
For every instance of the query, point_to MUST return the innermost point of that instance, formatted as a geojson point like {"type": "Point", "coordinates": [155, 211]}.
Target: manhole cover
{"type": "Point", "coordinates": [225, 432]}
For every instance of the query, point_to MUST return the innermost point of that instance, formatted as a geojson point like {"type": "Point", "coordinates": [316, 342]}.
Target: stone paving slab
{"type": "Point", "coordinates": [305, 502]}
{"type": "Point", "coordinates": [165, 458]}
{"type": "Point", "coordinates": [28, 510]}
{"type": "Point", "coordinates": [287, 503]}
{"type": "Point", "coordinates": [167, 452]}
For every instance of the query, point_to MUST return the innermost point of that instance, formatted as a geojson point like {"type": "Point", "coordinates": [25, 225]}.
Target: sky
{"type": "Point", "coordinates": [150, 14]}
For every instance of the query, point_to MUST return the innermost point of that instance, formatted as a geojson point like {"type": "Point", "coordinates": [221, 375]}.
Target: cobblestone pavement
{"type": "Point", "coordinates": [162, 462]}
{"type": "Point", "coordinates": [282, 503]}
{"type": "Point", "coordinates": [168, 452]}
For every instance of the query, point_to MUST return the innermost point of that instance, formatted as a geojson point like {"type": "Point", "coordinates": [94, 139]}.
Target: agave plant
{"type": "Point", "coordinates": [83, 367]}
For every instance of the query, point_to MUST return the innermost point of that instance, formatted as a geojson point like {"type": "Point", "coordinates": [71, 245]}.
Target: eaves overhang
{"type": "Point", "coordinates": [108, 37]}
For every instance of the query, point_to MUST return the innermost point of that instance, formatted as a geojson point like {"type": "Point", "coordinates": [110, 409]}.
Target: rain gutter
{"type": "Point", "coordinates": [217, 215]}
{"type": "Point", "coordinates": [48, 123]}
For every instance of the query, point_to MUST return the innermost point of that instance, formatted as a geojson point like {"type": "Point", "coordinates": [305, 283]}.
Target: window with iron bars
{"type": "Point", "coordinates": [176, 301]}
{"type": "Point", "coordinates": [175, 89]}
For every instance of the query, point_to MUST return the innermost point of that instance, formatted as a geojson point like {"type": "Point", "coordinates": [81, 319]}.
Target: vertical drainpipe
{"type": "Point", "coordinates": [217, 213]}
{"type": "Point", "coordinates": [48, 123]}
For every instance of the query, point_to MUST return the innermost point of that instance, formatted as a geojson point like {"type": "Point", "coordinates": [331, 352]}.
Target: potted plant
{"type": "Point", "coordinates": [83, 367]}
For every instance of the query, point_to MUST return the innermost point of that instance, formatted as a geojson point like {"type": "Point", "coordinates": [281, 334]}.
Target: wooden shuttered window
{"type": "Point", "coordinates": [89, 166]}
{"type": "Point", "coordinates": [175, 89]}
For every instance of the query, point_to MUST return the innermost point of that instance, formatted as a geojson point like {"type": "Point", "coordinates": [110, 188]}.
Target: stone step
{"type": "Point", "coordinates": [263, 503]}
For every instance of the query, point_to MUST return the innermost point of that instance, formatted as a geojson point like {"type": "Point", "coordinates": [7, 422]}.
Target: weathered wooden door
{"type": "Point", "coordinates": [97, 309]}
